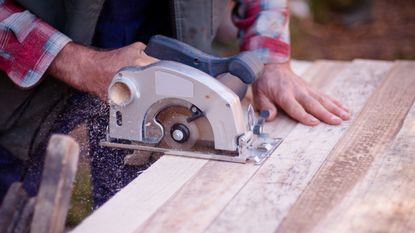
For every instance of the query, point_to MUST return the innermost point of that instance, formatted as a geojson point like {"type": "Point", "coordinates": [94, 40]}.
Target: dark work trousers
{"type": "Point", "coordinates": [109, 174]}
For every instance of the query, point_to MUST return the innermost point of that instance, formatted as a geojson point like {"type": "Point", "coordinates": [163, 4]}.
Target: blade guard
{"type": "Point", "coordinates": [135, 90]}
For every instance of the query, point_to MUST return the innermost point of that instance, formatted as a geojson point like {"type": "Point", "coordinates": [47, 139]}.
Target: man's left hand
{"type": "Point", "coordinates": [280, 87]}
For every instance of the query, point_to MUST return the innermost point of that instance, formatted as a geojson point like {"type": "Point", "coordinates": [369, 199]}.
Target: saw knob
{"type": "Point", "coordinates": [246, 66]}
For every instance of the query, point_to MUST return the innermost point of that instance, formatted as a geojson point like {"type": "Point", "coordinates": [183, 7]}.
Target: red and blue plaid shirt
{"type": "Point", "coordinates": [28, 45]}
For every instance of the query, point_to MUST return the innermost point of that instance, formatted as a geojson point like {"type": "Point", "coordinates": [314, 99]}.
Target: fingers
{"type": "Point", "coordinates": [314, 107]}
{"type": "Point", "coordinates": [331, 105]}
{"type": "Point", "coordinates": [338, 103]}
{"type": "Point", "coordinates": [264, 103]}
{"type": "Point", "coordinates": [296, 111]}
{"type": "Point", "coordinates": [281, 87]}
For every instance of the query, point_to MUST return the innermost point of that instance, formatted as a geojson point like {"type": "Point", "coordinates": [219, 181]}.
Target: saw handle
{"type": "Point", "coordinates": [245, 66]}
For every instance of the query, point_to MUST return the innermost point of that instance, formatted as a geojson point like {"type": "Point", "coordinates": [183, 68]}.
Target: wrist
{"type": "Point", "coordinates": [74, 65]}
{"type": "Point", "coordinates": [283, 65]}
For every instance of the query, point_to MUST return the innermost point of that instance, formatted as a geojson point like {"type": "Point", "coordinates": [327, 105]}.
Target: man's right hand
{"type": "Point", "coordinates": [92, 70]}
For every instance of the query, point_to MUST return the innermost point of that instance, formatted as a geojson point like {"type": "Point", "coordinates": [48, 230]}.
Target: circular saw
{"type": "Point", "coordinates": [188, 104]}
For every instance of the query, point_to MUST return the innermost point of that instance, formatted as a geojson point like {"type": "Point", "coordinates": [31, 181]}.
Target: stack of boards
{"type": "Point", "coordinates": [356, 177]}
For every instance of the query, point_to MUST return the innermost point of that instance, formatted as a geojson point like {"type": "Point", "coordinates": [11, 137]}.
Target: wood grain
{"type": "Point", "coordinates": [26, 216]}
{"type": "Point", "coordinates": [197, 203]}
{"type": "Point", "coordinates": [200, 200]}
{"type": "Point", "coordinates": [262, 204]}
{"type": "Point", "coordinates": [323, 71]}
{"type": "Point", "coordinates": [386, 195]}
{"type": "Point", "coordinates": [142, 197]}
{"type": "Point", "coordinates": [369, 136]}
{"type": "Point", "coordinates": [52, 201]}
{"type": "Point", "coordinates": [12, 206]}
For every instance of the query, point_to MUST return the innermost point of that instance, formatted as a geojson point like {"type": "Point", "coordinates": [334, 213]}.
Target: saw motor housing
{"type": "Point", "coordinates": [183, 105]}
{"type": "Point", "coordinates": [137, 94]}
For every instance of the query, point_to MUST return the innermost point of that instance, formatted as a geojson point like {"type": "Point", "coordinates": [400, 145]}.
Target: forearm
{"type": "Point", "coordinates": [30, 47]}
{"type": "Point", "coordinates": [72, 64]}
{"type": "Point", "coordinates": [91, 70]}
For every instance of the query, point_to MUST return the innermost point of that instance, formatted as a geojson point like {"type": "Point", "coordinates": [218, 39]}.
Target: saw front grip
{"type": "Point", "coordinates": [245, 66]}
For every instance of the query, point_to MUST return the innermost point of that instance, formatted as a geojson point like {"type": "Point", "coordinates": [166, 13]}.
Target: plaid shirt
{"type": "Point", "coordinates": [263, 27]}
{"type": "Point", "coordinates": [28, 45]}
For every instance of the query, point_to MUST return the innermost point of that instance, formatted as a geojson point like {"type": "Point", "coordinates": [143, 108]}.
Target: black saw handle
{"type": "Point", "coordinates": [245, 66]}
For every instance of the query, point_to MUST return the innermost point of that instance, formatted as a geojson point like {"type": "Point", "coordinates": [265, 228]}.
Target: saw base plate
{"type": "Point", "coordinates": [258, 153]}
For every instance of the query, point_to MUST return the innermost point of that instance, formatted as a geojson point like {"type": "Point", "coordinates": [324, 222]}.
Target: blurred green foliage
{"type": "Point", "coordinates": [81, 201]}
{"type": "Point", "coordinates": [333, 11]}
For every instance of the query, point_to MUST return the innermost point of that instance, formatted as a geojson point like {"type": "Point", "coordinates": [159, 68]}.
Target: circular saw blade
{"type": "Point", "coordinates": [200, 131]}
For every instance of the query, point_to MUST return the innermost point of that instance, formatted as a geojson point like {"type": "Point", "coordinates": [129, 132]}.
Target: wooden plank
{"type": "Point", "coordinates": [329, 69]}
{"type": "Point", "coordinates": [204, 196]}
{"type": "Point", "coordinates": [300, 66]}
{"type": "Point", "coordinates": [26, 216]}
{"type": "Point", "coordinates": [369, 136]}
{"type": "Point", "coordinates": [12, 205]}
{"type": "Point", "coordinates": [266, 198]}
{"type": "Point", "coordinates": [384, 201]}
{"type": "Point", "coordinates": [134, 204]}
{"type": "Point", "coordinates": [200, 200]}
{"type": "Point", "coordinates": [142, 197]}
{"type": "Point", "coordinates": [52, 201]}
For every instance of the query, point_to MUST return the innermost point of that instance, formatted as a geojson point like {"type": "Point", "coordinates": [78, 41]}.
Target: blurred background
{"type": "Point", "coordinates": [344, 29]}
{"type": "Point", "coordinates": [320, 29]}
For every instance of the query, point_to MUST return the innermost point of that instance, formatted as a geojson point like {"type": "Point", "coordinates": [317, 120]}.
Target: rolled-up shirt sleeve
{"type": "Point", "coordinates": [264, 29]}
{"type": "Point", "coordinates": [28, 45]}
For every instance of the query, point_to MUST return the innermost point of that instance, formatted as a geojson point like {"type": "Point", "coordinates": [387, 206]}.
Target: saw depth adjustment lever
{"type": "Point", "coordinates": [245, 65]}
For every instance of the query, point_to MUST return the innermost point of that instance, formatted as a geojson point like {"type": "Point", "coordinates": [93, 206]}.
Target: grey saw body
{"type": "Point", "coordinates": [177, 109]}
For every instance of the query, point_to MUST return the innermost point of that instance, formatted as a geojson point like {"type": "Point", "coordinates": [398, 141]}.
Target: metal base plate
{"type": "Point", "coordinates": [262, 148]}
{"type": "Point", "coordinates": [258, 154]}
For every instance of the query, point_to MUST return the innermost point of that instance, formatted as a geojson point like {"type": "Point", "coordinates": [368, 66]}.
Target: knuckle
{"type": "Point", "coordinates": [296, 111]}
{"type": "Point", "coordinates": [285, 99]}
{"type": "Point", "coordinates": [138, 45]}
{"type": "Point", "coordinates": [320, 98]}
{"type": "Point", "coordinates": [310, 103]}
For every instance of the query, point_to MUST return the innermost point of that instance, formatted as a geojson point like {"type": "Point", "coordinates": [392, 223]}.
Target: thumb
{"type": "Point", "coordinates": [263, 103]}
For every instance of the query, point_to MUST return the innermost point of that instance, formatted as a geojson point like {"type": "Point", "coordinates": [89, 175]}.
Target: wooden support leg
{"type": "Point", "coordinates": [45, 213]}
{"type": "Point", "coordinates": [13, 203]}
{"type": "Point", "coordinates": [55, 190]}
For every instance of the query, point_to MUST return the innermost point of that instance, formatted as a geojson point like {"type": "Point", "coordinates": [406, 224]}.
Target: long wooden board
{"type": "Point", "coordinates": [386, 196]}
{"type": "Point", "coordinates": [157, 185]}
{"type": "Point", "coordinates": [263, 203]}
{"type": "Point", "coordinates": [353, 157]}
{"type": "Point", "coordinates": [142, 197]}
{"type": "Point", "coordinates": [200, 200]}
{"type": "Point", "coordinates": [190, 195]}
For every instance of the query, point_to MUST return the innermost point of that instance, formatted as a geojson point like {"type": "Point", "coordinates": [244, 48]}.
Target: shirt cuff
{"type": "Point", "coordinates": [27, 47]}
{"type": "Point", "coordinates": [267, 49]}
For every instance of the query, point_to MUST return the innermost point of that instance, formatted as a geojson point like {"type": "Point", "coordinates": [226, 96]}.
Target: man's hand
{"type": "Point", "coordinates": [278, 86]}
{"type": "Point", "coordinates": [92, 70]}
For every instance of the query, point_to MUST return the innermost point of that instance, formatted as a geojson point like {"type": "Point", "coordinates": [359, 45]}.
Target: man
{"type": "Point", "coordinates": [49, 72]}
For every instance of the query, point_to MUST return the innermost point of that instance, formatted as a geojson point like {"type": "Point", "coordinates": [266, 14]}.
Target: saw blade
{"type": "Point", "coordinates": [195, 134]}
